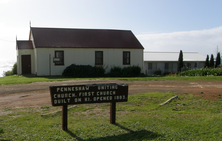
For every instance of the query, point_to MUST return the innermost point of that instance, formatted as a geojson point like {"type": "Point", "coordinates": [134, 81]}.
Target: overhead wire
{"type": "Point", "coordinates": [6, 40]}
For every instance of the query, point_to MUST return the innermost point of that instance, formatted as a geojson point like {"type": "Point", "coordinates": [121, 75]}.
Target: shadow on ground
{"type": "Point", "coordinates": [131, 135]}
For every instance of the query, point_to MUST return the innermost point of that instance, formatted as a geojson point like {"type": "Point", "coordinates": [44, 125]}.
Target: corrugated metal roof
{"type": "Point", "coordinates": [24, 45]}
{"type": "Point", "coordinates": [172, 56]}
{"type": "Point", "coordinates": [84, 38]}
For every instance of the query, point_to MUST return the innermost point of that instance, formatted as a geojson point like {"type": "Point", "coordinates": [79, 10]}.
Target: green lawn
{"type": "Point", "coordinates": [22, 79]}
{"type": "Point", "coordinates": [187, 117]}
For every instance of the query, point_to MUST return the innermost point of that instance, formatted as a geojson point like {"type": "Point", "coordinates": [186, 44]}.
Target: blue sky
{"type": "Point", "coordinates": [160, 25]}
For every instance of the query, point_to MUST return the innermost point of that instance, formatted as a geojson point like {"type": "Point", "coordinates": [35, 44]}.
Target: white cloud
{"type": "Point", "coordinates": [202, 41]}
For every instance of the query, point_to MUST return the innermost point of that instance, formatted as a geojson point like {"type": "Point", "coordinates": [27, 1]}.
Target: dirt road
{"type": "Point", "coordinates": [37, 94]}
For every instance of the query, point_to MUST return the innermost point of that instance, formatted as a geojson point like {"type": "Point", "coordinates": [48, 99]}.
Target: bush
{"type": "Point", "coordinates": [166, 73]}
{"type": "Point", "coordinates": [130, 71]}
{"type": "Point", "coordinates": [14, 69]}
{"type": "Point", "coordinates": [12, 72]}
{"type": "Point", "coordinates": [158, 72]}
{"type": "Point", "coordinates": [89, 71]}
{"type": "Point", "coordinates": [7, 73]}
{"type": "Point", "coordinates": [99, 71]}
{"type": "Point", "coordinates": [83, 71]}
{"type": "Point", "coordinates": [202, 72]}
{"type": "Point", "coordinates": [219, 66]}
{"type": "Point", "coordinates": [115, 72]}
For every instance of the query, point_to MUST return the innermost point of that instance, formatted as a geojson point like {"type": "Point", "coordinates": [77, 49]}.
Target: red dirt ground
{"type": "Point", "coordinates": [37, 94]}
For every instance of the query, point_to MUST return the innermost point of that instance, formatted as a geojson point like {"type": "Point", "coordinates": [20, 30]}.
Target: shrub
{"type": "Point", "coordinates": [89, 71]}
{"type": "Point", "coordinates": [83, 71]}
{"type": "Point", "coordinates": [131, 71]}
{"type": "Point", "coordinates": [202, 72]}
{"type": "Point", "coordinates": [12, 72]}
{"type": "Point", "coordinates": [158, 72]}
{"type": "Point", "coordinates": [219, 66]}
{"type": "Point", "coordinates": [14, 69]}
{"type": "Point", "coordinates": [7, 73]}
{"type": "Point", "coordinates": [166, 73]}
{"type": "Point", "coordinates": [115, 72]}
{"type": "Point", "coordinates": [99, 71]}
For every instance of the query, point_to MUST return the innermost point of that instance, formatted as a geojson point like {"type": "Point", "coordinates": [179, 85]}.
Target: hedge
{"type": "Point", "coordinates": [80, 71]}
{"type": "Point", "coordinates": [83, 71]}
{"type": "Point", "coordinates": [130, 71]}
{"type": "Point", "coordinates": [202, 72]}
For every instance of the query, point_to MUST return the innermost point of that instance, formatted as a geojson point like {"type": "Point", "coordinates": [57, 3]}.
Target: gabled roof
{"type": "Point", "coordinates": [24, 45]}
{"type": "Point", "coordinates": [84, 38]}
{"type": "Point", "coordinates": [172, 56]}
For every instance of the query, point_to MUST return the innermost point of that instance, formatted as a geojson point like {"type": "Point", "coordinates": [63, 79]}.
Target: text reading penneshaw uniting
{"type": "Point", "coordinates": [81, 94]}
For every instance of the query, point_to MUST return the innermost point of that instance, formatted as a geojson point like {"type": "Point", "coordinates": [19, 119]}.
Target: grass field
{"type": "Point", "coordinates": [23, 80]}
{"type": "Point", "coordinates": [187, 117]}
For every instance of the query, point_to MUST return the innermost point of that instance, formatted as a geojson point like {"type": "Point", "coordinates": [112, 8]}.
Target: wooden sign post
{"type": "Point", "coordinates": [81, 94]}
{"type": "Point", "coordinates": [113, 112]}
{"type": "Point", "coordinates": [64, 117]}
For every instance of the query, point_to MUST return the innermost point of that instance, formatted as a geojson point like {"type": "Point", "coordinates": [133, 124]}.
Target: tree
{"type": "Point", "coordinates": [207, 64]}
{"type": "Point", "coordinates": [218, 60]}
{"type": "Point", "coordinates": [212, 61]}
{"type": "Point", "coordinates": [180, 61]}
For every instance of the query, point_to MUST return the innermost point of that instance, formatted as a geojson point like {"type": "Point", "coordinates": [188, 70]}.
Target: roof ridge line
{"type": "Point", "coordinates": [79, 28]}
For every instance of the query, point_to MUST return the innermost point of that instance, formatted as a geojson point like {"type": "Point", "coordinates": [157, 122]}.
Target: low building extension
{"type": "Point", "coordinates": [167, 62]}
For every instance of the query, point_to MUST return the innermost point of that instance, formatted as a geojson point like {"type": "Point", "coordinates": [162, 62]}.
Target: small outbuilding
{"type": "Point", "coordinates": [50, 50]}
{"type": "Point", "coordinates": [167, 62]}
